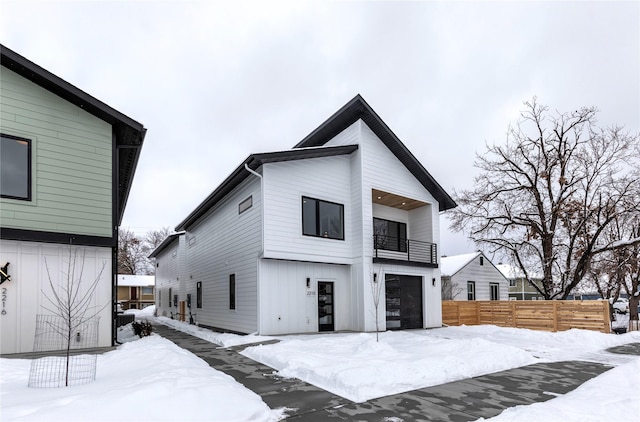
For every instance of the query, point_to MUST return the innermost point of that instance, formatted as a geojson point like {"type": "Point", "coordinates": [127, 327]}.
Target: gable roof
{"type": "Point", "coordinates": [165, 244]}
{"type": "Point", "coordinates": [254, 161]}
{"type": "Point", "coordinates": [129, 134]}
{"type": "Point", "coordinates": [449, 265]}
{"type": "Point", "coordinates": [358, 108]}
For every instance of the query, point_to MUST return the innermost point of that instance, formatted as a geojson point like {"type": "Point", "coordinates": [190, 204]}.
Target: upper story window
{"type": "Point", "coordinates": [146, 290]}
{"type": "Point", "coordinates": [322, 218]}
{"type": "Point", "coordinates": [15, 167]}
{"type": "Point", "coordinates": [390, 235]}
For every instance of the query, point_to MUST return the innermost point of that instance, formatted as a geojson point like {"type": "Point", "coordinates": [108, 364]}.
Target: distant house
{"type": "Point", "coordinates": [67, 165]}
{"type": "Point", "coordinates": [136, 291]}
{"type": "Point", "coordinates": [519, 287]}
{"type": "Point", "coordinates": [293, 241]}
{"type": "Point", "coordinates": [472, 277]}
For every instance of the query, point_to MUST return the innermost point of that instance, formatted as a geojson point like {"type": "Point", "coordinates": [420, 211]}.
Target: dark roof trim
{"type": "Point", "coordinates": [254, 161]}
{"type": "Point", "coordinates": [165, 244]}
{"type": "Point", "coordinates": [129, 134]}
{"type": "Point", "coordinates": [358, 108]}
{"type": "Point", "coordinates": [8, 233]}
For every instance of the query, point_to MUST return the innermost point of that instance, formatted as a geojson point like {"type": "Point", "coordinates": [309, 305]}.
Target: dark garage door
{"type": "Point", "coordinates": [404, 301]}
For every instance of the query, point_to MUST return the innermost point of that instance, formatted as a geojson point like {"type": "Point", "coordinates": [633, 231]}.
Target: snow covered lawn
{"type": "Point", "coordinates": [152, 379]}
{"type": "Point", "coordinates": [357, 367]}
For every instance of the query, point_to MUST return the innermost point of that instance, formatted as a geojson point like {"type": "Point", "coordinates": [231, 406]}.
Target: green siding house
{"type": "Point", "coordinates": [67, 162]}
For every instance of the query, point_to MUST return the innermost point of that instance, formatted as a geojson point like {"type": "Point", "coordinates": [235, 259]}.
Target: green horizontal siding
{"type": "Point", "coordinates": [71, 161]}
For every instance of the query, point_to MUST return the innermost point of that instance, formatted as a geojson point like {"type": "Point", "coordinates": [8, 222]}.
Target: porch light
{"type": "Point", "coordinates": [375, 277]}
{"type": "Point", "coordinates": [433, 281]}
{"type": "Point", "coordinates": [308, 282]}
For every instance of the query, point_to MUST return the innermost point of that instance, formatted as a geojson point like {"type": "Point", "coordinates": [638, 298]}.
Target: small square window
{"type": "Point", "coordinates": [199, 294]}
{"type": "Point", "coordinates": [15, 167]}
{"type": "Point", "coordinates": [322, 218]}
{"type": "Point", "coordinates": [245, 205]}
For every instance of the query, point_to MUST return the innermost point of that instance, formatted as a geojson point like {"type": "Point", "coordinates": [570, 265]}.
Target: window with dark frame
{"type": "Point", "coordinates": [170, 297]}
{"type": "Point", "coordinates": [15, 167]}
{"type": "Point", "coordinates": [232, 291]}
{"type": "Point", "coordinates": [494, 291]}
{"type": "Point", "coordinates": [471, 290]}
{"type": "Point", "coordinates": [245, 205]}
{"type": "Point", "coordinates": [482, 260]}
{"type": "Point", "coordinates": [199, 294]}
{"type": "Point", "coordinates": [322, 218]}
{"type": "Point", "coordinates": [390, 235]}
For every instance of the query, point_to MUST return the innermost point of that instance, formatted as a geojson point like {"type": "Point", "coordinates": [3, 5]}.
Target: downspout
{"type": "Point", "coordinates": [262, 241]}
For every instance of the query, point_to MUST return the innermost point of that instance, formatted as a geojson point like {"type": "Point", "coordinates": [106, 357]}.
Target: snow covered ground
{"type": "Point", "coordinates": [151, 379]}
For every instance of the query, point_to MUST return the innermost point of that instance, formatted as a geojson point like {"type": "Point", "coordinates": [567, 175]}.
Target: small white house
{"type": "Point", "coordinates": [296, 241]}
{"type": "Point", "coordinates": [472, 277]}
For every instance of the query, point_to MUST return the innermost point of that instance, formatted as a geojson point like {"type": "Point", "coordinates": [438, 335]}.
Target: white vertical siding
{"type": "Point", "coordinates": [27, 292]}
{"type": "Point", "coordinates": [288, 306]}
{"type": "Point", "coordinates": [285, 184]}
{"type": "Point", "coordinates": [225, 242]}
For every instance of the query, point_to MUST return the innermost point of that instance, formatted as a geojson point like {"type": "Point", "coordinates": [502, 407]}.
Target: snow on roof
{"type": "Point", "coordinates": [136, 280]}
{"type": "Point", "coordinates": [449, 265]}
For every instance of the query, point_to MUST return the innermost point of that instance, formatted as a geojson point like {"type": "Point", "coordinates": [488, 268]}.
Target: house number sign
{"type": "Point", "coordinates": [4, 276]}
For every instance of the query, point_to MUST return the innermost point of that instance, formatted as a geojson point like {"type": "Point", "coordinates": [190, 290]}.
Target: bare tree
{"type": "Point", "coordinates": [546, 197]}
{"type": "Point", "coordinates": [155, 237]}
{"type": "Point", "coordinates": [134, 251]}
{"type": "Point", "coordinates": [131, 253]}
{"type": "Point", "coordinates": [448, 289]}
{"type": "Point", "coordinates": [71, 301]}
{"type": "Point", "coordinates": [376, 289]}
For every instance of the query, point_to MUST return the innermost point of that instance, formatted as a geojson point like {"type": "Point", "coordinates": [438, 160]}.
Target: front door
{"type": "Point", "coordinates": [403, 301]}
{"type": "Point", "coordinates": [325, 306]}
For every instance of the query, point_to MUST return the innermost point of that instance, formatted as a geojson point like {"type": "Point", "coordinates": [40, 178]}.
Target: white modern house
{"type": "Point", "coordinates": [296, 241]}
{"type": "Point", "coordinates": [472, 277]}
{"type": "Point", "coordinates": [67, 161]}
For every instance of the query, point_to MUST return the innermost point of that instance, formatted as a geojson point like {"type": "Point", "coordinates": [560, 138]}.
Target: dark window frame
{"type": "Point", "coordinates": [232, 292]}
{"type": "Point", "coordinates": [401, 243]}
{"type": "Point", "coordinates": [199, 294]}
{"type": "Point", "coordinates": [245, 205]}
{"type": "Point", "coordinates": [170, 297]}
{"type": "Point", "coordinates": [471, 292]}
{"type": "Point", "coordinates": [493, 286]}
{"type": "Point", "coordinates": [29, 168]}
{"type": "Point", "coordinates": [318, 218]}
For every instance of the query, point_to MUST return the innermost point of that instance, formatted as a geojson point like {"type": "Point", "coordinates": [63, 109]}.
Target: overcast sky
{"type": "Point", "coordinates": [216, 81]}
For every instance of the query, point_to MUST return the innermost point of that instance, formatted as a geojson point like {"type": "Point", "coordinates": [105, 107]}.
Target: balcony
{"type": "Point", "coordinates": [394, 250]}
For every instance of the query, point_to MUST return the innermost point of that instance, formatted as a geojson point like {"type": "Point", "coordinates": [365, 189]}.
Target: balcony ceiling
{"type": "Point", "coordinates": [395, 201]}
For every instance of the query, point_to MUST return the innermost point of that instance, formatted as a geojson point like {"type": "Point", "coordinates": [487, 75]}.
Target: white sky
{"type": "Point", "coordinates": [215, 81]}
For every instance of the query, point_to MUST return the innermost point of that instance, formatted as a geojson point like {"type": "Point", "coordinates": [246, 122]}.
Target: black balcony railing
{"type": "Point", "coordinates": [388, 248]}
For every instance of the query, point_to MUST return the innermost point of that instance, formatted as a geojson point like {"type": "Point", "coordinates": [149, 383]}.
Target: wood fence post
{"type": "Point", "coordinates": [513, 313]}
{"type": "Point", "coordinates": [555, 315]}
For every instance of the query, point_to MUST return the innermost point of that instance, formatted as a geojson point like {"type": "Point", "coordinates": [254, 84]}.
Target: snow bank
{"type": "Point", "coordinates": [221, 339]}
{"type": "Point", "coordinates": [613, 396]}
{"type": "Point", "coordinates": [358, 368]}
{"type": "Point", "coordinates": [150, 379]}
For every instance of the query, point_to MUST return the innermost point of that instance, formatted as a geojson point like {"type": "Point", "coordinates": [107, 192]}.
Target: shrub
{"type": "Point", "coordinates": [142, 328]}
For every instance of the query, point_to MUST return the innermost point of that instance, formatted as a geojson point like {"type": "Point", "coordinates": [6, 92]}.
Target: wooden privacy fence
{"type": "Point", "coordinates": [546, 315]}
